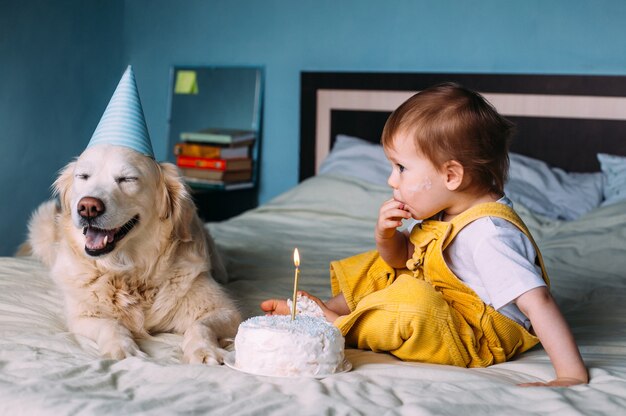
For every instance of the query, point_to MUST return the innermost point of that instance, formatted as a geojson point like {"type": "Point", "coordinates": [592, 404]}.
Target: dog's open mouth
{"type": "Point", "coordinates": [99, 241]}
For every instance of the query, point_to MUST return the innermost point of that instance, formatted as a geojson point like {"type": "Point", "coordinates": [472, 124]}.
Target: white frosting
{"type": "Point", "coordinates": [306, 306]}
{"type": "Point", "coordinates": [276, 345]}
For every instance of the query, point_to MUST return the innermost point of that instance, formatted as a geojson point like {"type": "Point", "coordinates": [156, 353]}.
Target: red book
{"type": "Point", "coordinates": [214, 164]}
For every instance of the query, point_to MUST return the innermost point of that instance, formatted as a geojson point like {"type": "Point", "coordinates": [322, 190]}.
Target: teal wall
{"type": "Point", "coordinates": [60, 61]}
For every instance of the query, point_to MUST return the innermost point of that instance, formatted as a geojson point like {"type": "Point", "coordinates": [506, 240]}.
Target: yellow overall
{"type": "Point", "coordinates": [425, 313]}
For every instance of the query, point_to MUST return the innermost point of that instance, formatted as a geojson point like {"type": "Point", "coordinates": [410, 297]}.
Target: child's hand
{"type": "Point", "coordinates": [275, 307]}
{"type": "Point", "coordinates": [556, 338]}
{"type": "Point", "coordinates": [559, 382]}
{"type": "Point", "coordinates": [390, 217]}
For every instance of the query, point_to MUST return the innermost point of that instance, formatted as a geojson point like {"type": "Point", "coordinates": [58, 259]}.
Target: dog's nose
{"type": "Point", "coordinates": [89, 207]}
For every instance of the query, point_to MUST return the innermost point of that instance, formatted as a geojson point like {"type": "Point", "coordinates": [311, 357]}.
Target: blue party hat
{"type": "Point", "coordinates": [123, 122]}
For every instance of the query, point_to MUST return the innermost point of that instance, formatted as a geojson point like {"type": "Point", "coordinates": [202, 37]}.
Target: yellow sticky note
{"type": "Point", "coordinates": [186, 82]}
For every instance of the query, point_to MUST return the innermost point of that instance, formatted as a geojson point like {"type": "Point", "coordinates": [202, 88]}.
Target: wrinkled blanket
{"type": "Point", "coordinates": [44, 369]}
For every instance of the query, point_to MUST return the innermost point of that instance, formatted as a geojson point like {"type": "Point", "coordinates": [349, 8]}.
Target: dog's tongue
{"type": "Point", "coordinates": [95, 238]}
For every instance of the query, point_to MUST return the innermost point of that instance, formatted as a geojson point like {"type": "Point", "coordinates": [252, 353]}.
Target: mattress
{"type": "Point", "coordinates": [44, 369]}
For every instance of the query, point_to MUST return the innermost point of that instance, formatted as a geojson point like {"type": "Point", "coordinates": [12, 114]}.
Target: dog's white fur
{"type": "Point", "coordinates": [158, 276]}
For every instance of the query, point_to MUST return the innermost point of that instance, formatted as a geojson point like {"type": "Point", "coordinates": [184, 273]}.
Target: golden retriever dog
{"type": "Point", "coordinates": [131, 256]}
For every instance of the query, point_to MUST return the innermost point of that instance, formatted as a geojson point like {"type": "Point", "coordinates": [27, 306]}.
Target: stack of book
{"type": "Point", "coordinates": [216, 157]}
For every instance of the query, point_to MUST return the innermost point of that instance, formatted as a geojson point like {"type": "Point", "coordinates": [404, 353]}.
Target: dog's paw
{"type": "Point", "coordinates": [122, 348]}
{"type": "Point", "coordinates": [205, 355]}
{"type": "Point", "coordinates": [200, 346]}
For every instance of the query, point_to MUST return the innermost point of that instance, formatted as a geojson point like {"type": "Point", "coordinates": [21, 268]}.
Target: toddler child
{"type": "Point", "coordinates": [466, 285]}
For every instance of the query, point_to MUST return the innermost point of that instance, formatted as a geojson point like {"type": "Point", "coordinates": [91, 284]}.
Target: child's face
{"type": "Point", "coordinates": [416, 182]}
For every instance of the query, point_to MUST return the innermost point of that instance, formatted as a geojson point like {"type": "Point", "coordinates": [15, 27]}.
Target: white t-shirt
{"type": "Point", "coordinates": [497, 261]}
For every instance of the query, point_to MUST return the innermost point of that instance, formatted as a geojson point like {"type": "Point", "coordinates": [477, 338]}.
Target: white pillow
{"type": "Point", "coordinates": [548, 191]}
{"type": "Point", "coordinates": [552, 192]}
{"type": "Point", "coordinates": [614, 173]}
{"type": "Point", "coordinates": [358, 158]}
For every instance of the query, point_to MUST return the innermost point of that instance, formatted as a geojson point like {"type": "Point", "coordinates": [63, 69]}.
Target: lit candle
{"type": "Point", "coordinates": [296, 262]}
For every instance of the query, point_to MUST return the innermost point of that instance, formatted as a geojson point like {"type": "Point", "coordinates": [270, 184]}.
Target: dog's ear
{"type": "Point", "coordinates": [63, 184]}
{"type": "Point", "coordinates": [176, 203]}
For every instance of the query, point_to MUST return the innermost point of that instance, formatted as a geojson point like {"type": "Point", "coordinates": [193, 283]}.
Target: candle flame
{"type": "Point", "coordinates": [296, 258]}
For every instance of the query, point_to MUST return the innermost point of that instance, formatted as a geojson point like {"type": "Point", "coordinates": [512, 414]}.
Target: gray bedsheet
{"type": "Point", "coordinates": [44, 369]}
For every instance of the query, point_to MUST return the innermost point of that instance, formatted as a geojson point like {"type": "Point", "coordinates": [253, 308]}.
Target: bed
{"type": "Point", "coordinates": [571, 199]}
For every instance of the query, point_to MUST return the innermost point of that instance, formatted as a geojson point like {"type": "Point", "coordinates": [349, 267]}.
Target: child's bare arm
{"type": "Point", "coordinates": [555, 336]}
{"type": "Point", "coordinates": [390, 243]}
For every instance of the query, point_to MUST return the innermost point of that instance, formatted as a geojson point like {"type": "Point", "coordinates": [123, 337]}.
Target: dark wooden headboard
{"type": "Point", "coordinates": [564, 120]}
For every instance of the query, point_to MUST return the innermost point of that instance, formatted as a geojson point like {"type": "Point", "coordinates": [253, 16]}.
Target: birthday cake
{"type": "Point", "coordinates": [307, 346]}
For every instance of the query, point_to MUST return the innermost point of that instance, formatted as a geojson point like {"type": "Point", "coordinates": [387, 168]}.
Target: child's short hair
{"type": "Point", "coordinates": [450, 122]}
